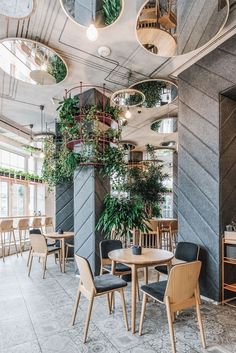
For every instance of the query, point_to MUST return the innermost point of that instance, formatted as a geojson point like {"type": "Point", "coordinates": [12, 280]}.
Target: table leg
{"type": "Point", "coordinates": [146, 275]}
{"type": "Point", "coordinates": [63, 254]}
{"type": "Point", "coordinates": [134, 291]}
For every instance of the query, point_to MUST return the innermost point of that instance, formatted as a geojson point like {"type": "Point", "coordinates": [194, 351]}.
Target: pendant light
{"type": "Point", "coordinates": [92, 33]}
{"type": "Point", "coordinates": [44, 133]}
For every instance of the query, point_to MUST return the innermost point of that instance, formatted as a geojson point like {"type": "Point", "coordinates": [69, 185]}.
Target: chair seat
{"type": "Point", "coordinates": [156, 290]}
{"type": "Point", "coordinates": [162, 269]}
{"type": "Point", "coordinates": [108, 282]}
{"type": "Point", "coordinates": [53, 248]}
{"type": "Point", "coordinates": [119, 267]}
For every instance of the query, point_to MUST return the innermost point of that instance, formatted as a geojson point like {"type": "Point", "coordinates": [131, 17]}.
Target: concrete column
{"type": "Point", "coordinates": [175, 184]}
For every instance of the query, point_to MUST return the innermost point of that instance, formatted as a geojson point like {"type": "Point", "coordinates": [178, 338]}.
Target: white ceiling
{"type": "Point", "coordinates": [128, 63]}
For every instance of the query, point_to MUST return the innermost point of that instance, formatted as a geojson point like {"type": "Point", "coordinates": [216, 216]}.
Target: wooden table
{"type": "Point", "coordinates": [62, 238]}
{"type": "Point", "coordinates": [149, 257]}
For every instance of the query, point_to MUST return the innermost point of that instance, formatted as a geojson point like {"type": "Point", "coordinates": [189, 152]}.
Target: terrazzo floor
{"type": "Point", "coordinates": [35, 317]}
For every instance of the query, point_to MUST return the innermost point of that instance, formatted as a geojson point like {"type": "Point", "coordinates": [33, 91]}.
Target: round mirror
{"type": "Point", "coordinates": [163, 151]}
{"type": "Point", "coordinates": [156, 92]}
{"type": "Point", "coordinates": [16, 8]}
{"type": "Point", "coordinates": [165, 126]}
{"type": "Point", "coordinates": [128, 97]}
{"type": "Point", "coordinates": [31, 62]}
{"type": "Point", "coordinates": [101, 13]}
{"type": "Point", "coordinates": [128, 146]}
{"type": "Point", "coordinates": [173, 27]}
{"type": "Point", "coordinates": [168, 144]}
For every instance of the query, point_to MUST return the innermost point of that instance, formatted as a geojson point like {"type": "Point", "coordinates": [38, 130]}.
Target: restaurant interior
{"type": "Point", "coordinates": [117, 176]}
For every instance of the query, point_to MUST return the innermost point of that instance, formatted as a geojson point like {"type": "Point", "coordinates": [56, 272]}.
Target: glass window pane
{"type": "Point", "coordinates": [12, 160]}
{"type": "Point", "coordinates": [3, 199]}
{"type": "Point", "coordinates": [18, 200]}
{"type": "Point", "coordinates": [31, 164]}
{"type": "Point", "coordinates": [31, 199]}
{"type": "Point", "coordinates": [41, 198]}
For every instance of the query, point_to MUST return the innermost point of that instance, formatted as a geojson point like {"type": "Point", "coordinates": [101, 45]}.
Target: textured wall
{"type": "Point", "coordinates": [201, 156]}
{"type": "Point", "coordinates": [89, 191]}
{"type": "Point", "coordinates": [65, 206]}
{"type": "Point", "coordinates": [175, 184]}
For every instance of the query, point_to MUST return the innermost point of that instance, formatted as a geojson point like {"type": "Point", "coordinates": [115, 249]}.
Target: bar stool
{"type": "Point", "coordinates": [37, 223]}
{"type": "Point", "coordinates": [23, 227]}
{"type": "Point", "coordinates": [48, 223]}
{"type": "Point", "coordinates": [164, 232]}
{"type": "Point", "coordinates": [6, 227]}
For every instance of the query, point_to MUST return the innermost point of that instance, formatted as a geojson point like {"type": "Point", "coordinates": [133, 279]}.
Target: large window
{"type": "Point", "coordinates": [19, 198]}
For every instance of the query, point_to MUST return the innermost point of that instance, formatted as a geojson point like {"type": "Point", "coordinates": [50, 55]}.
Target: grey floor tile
{"type": "Point", "coordinates": [28, 347]}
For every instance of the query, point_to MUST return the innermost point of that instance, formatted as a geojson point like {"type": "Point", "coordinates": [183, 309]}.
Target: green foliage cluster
{"type": "Point", "coordinates": [152, 91]}
{"type": "Point", "coordinates": [18, 174]}
{"type": "Point", "coordinates": [111, 10]}
{"type": "Point", "coordinates": [57, 68]}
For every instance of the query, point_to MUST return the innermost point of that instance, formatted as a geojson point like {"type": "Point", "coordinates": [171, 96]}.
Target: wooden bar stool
{"type": "Point", "coordinates": [48, 225]}
{"type": "Point", "coordinates": [37, 224]}
{"type": "Point", "coordinates": [23, 228]}
{"type": "Point", "coordinates": [6, 227]}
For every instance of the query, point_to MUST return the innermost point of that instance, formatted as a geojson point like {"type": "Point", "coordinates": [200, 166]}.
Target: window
{"type": "Point", "coordinates": [3, 198]}
{"type": "Point", "coordinates": [18, 197]}
{"type": "Point", "coordinates": [11, 160]}
{"type": "Point", "coordinates": [167, 206]}
{"type": "Point", "coordinates": [32, 199]}
{"type": "Point", "coordinates": [41, 198]}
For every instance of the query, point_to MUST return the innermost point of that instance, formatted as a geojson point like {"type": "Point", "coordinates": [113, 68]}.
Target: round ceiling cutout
{"type": "Point", "coordinates": [101, 13]}
{"type": "Point", "coordinates": [165, 126]}
{"type": "Point", "coordinates": [168, 143]}
{"type": "Point", "coordinates": [31, 62]}
{"type": "Point", "coordinates": [16, 8]}
{"type": "Point", "coordinates": [173, 27]}
{"type": "Point", "coordinates": [157, 92]}
{"type": "Point", "coordinates": [128, 97]}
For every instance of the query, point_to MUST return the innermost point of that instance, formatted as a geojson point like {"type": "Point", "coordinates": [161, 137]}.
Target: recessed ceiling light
{"type": "Point", "coordinates": [104, 51]}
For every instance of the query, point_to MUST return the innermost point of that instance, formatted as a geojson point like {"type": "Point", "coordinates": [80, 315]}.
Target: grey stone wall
{"type": "Point", "coordinates": [175, 184]}
{"type": "Point", "coordinates": [202, 161]}
{"type": "Point", "coordinates": [89, 191]}
{"type": "Point", "coordinates": [65, 206]}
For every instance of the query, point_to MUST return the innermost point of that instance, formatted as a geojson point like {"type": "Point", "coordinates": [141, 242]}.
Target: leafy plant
{"type": "Point", "coordinates": [122, 214]}
{"type": "Point", "coordinates": [111, 10]}
{"type": "Point", "coordinates": [152, 91]}
{"type": "Point", "coordinates": [12, 173]}
{"type": "Point", "coordinates": [112, 161]}
{"type": "Point", "coordinates": [57, 68]}
{"type": "Point", "coordinates": [32, 149]}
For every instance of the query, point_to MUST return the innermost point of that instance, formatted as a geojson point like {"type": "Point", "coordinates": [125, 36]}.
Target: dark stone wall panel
{"type": "Point", "coordinates": [65, 206]}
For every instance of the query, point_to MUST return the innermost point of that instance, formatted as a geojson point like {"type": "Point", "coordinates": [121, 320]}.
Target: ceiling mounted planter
{"type": "Point", "coordinates": [31, 62]}
{"type": "Point", "coordinates": [128, 97]}
{"type": "Point", "coordinates": [157, 92]}
{"type": "Point", "coordinates": [167, 125]}
{"type": "Point", "coordinates": [18, 9]}
{"type": "Point", "coordinates": [100, 13]}
{"type": "Point", "coordinates": [162, 31]}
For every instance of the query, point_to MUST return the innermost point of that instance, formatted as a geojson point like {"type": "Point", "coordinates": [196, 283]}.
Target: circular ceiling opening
{"type": "Point", "coordinates": [128, 97]}
{"type": "Point", "coordinates": [175, 27]}
{"type": "Point", "coordinates": [165, 126]}
{"type": "Point", "coordinates": [168, 144]}
{"type": "Point", "coordinates": [16, 8]}
{"type": "Point", "coordinates": [101, 13]}
{"type": "Point", "coordinates": [157, 92]}
{"type": "Point", "coordinates": [31, 62]}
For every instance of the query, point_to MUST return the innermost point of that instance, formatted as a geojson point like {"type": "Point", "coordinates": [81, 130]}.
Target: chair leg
{"type": "Point", "coordinates": [90, 306]}
{"type": "Point", "coordinates": [142, 313]}
{"type": "Point", "coordinates": [3, 247]}
{"type": "Point", "coordinates": [30, 263]}
{"type": "Point", "coordinates": [59, 256]}
{"type": "Point", "coordinates": [67, 250]}
{"type": "Point", "coordinates": [14, 238]}
{"type": "Point", "coordinates": [124, 308]}
{"type": "Point", "coordinates": [9, 243]}
{"type": "Point", "coordinates": [158, 276]}
{"type": "Point", "coordinates": [109, 302]}
{"type": "Point", "coordinates": [44, 265]}
{"type": "Point", "coordinates": [76, 306]}
{"type": "Point", "coordinates": [170, 323]}
{"type": "Point", "coordinates": [199, 319]}
{"type": "Point", "coordinates": [20, 240]}
{"type": "Point", "coordinates": [138, 292]}
{"type": "Point", "coordinates": [28, 260]}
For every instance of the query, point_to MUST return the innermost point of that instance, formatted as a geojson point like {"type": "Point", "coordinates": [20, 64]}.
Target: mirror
{"type": "Point", "coordinates": [101, 13]}
{"type": "Point", "coordinates": [168, 144]}
{"type": "Point", "coordinates": [165, 126]}
{"type": "Point", "coordinates": [157, 92]}
{"type": "Point", "coordinates": [164, 151]}
{"type": "Point", "coordinates": [16, 8]}
{"type": "Point", "coordinates": [164, 31]}
{"type": "Point", "coordinates": [128, 98]}
{"type": "Point", "coordinates": [31, 62]}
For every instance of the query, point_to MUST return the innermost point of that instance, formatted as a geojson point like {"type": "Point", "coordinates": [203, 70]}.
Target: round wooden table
{"type": "Point", "coordinates": [61, 238]}
{"type": "Point", "coordinates": [149, 257]}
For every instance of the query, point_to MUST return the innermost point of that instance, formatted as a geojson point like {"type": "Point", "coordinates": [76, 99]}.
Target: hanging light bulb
{"type": "Point", "coordinates": [92, 33]}
{"type": "Point", "coordinates": [41, 155]}
{"type": "Point", "coordinates": [128, 114]}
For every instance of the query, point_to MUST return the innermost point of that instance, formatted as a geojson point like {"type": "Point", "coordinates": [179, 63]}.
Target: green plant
{"type": "Point", "coordinates": [152, 91]}
{"type": "Point", "coordinates": [68, 108]}
{"type": "Point", "coordinates": [32, 149]}
{"type": "Point", "coordinates": [112, 161]}
{"type": "Point", "coordinates": [111, 10]}
{"type": "Point", "coordinates": [57, 68]}
{"type": "Point", "coordinates": [20, 174]}
{"type": "Point", "coordinates": [122, 215]}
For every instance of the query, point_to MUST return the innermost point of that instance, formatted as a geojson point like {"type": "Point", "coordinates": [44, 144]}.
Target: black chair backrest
{"type": "Point", "coordinates": [35, 231]}
{"type": "Point", "coordinates": [108, 245]}
{"type": "Point", "coordinates": [187, 251]}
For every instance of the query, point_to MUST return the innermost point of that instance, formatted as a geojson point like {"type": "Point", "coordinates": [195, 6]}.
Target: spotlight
{"type": "Point", "coordinates": [92, 33]}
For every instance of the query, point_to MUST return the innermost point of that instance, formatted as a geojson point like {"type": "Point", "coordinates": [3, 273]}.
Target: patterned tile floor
{"type": "Point", "coordinates": [35, 317]}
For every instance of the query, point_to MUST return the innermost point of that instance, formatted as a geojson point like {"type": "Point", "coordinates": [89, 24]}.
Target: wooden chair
{"type": "Point", "coordinates": [173, 234]}
{"type": "Point", "coordinates": [37, 223]}
{"type": "Point", "coordinates": [105, 246]}
{"type": "Point", "coordinates": [92, 287]}
{"type": "Point", "coordinates": [178, 293]}
{"type": "Point", "coordinates": [32, 231]}
{"type": "Point", "coordinates": [48, 224]}
{"type": "Point", "coordinates": [68, 246]}
{"type": "Point", "coordinates": [6, 228]}
{"type": "Point", "coordinates": [40, 249]}
{"type": "Point", "coordinates": [151, 239]}
{"type": "Point", "coordinates": [164, 234]}
{"type": "Point", "coordinates": [185, 252]}
{"type": "Point", "coordinates": [23, 228]}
